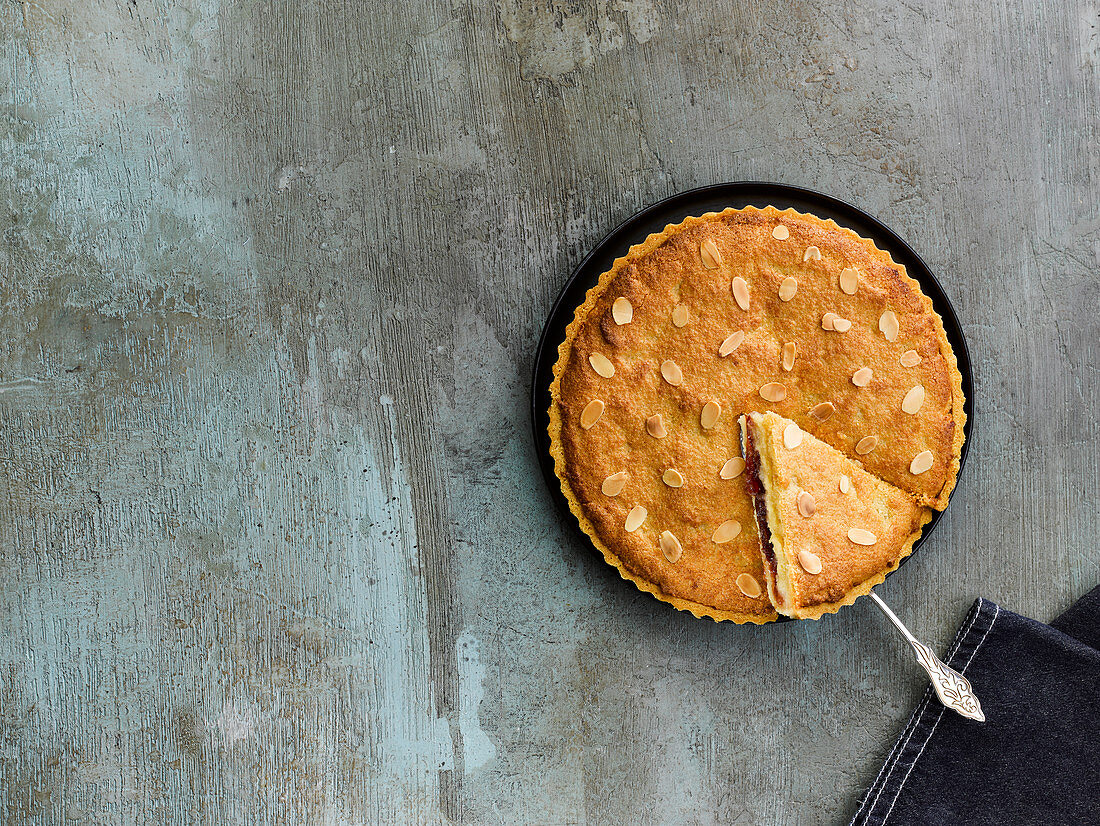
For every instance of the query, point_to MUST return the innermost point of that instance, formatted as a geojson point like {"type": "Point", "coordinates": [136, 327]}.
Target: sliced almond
{"type": "Point", "coordinates": [731, 343]}
{"type": "Point", "coordinates": [845, 484]}
{"type": "Point", "coordinates": [910, 358]}
{"type": "Point", "coordinates": [773, 392]}
{"type": "Point", "coordinates": [635, 518]}
{"type": "Point", "coordinates": [622, 310]}
{"type": "Point", "coordinates": [748, 586]}
{"type": "Point", "coordinates": [671, 372]}
{"type": "Point", "coordinates": [709, 254]}
{"type": "Point", "coordinates": [866, 445]}
{"type": "Point", "coordinates": [822, 411]}
{"type": "Point", "coordinates": [841, 325]}
{"type": "Point", "coordinates": [810, 562]}
{"type": "Point", "coordinates": [811, 254]}
{"type": "Point", "coordinates": [613, 485]}
{"type": "Point", "coordinates": [740, 289]}
{"type": "Point", "coordinates": [732, 468]}
{"type": "Point", "coordinates": [788, 288]}
{"type": "Point", "coordinates": [602, 365]}
{"type": "Point", "coordinates": [913, 400]}
{"type": "Point", "coordinates": [790, 350]}
{"type": "Point", "coordinates": [827, 321]}
{"type": "Point", "coordinates": [726, 531]}
{"type": "Point", "coordinates": [655, 426]}
{"type": "Point", "coordinates": [921, 462]}
{"type": "Point", "coordinates": [807, 506]}
{"type": "Point", "coordinates": [681, 315]}
{"type": "Point", "coordinates": [792, 436]}
{"type": "Point", "coordinates": [781, 233]}
{"type": "Point", "coordinates": [849, 280]}
{"type": "Point", "coordinates": [861, 536]}
{"type": "Point", "coordinates": [591, 413]}
{"type": "Point", "coordinates": [862, 377]}
{"type": "Point", "coordinates": [709, 415]}
{"type": "Point", "coordinates": [888, 325]}
{"type": "Point", "coordinates": [673, 478]}
{"type": "Point", "coordinates": [671, 547]}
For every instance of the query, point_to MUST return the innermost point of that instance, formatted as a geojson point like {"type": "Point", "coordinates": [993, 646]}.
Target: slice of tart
{"type": "Point", "coordinates": [829, 530]}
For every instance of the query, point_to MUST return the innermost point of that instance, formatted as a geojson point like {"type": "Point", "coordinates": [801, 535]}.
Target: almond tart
{"type": "Point", "coordinates": [742, 311]}
{"type": "Point", "coordinates": [829, 530]}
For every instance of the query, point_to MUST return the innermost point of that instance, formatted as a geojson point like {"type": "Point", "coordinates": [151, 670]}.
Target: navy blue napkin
{"type": "Point", "coordinates": [1036, 759]}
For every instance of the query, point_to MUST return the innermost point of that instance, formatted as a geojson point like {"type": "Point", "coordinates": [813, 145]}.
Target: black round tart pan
{"type": "Point", "coordinates": [715, 198]}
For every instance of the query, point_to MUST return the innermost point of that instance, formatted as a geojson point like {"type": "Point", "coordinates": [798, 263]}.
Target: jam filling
{"type": "Point", "coordinates": [756, 488]}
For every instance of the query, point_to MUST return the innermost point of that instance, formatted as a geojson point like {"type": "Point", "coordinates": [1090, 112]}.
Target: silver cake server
{"type": "Point", "coordinates": [953, 689]}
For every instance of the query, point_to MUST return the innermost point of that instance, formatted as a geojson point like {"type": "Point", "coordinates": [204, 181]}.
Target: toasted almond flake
{"type": "Point", "coordinates": [822, 411]}
{"type": "Point", "coordinates": [671, 372]}
{"type": "Point", "coordinates": [613, 485]}
{"type": "Point", "coordinates": [602, 365]}
{"type": "Point", "coordinates": [709, 254]}
{"type": "Point", "coordinates": [827, 321]}
{"type": "Point", "coordinates": [748, 586]}
{"type": "Point", "coordinates": [781, 233]}
{"type": "Point", "coordinates": [790, 350]}
{"type": "Point", "coordinates": [845, 484]}
{"type": "Point", "coordinates": [849, 280]}
{"type": "Point", "coordinates": [673, 478]}
{"type": "Point", "coordinates": [788, 288]}
{"type": "Point", "coordinates": [726, 531]}
{"type": "Point", "coordinates": [635, 518]}
{"type": "Point", "coordinates": [861, 536]}
{"type": "Point", "coordinates": [913, 400]}
{"type": "Point", "coordinates": [731, 343]}
{"type": "Point", "coordinates": [810, 562]}
{"type": "Point", "coordinates": [921, 462]}
{"type": "Point", "coordinates": [792, 436]}
{"type": "Point", "coordinates": [862, 377]}
{"type": "Point", "coordinates": [773, 392]}
{"type": "Point", "coordinates": [910, 358]}
{"type": "Point", "coordinates": [591, 413]}
{"type": "Point", "coordinates": [681, 315]}
{"type": "Point", "coordinates": [655, 426]}
{"type": "Point", "coordinates": [866, 445]}
{"type": "Point", "coordinates": [671, 547]}
{"type": "Point", "coordinates": [888, 325]}
{"type": "Point", "coordinates": [740, 289]}
{"type": "Point", "coordinates": [732, 468]}
{"type": "Point", "coordinates": [622, 310]}
{"type": "Point", "coordinates": [841, 325]}
{"type": "Point", "coordinates": [709, 415]}
{"type": "Point", "coordinates": [806, 504]}
{"type": "Point", "coordinates": [811, 254]}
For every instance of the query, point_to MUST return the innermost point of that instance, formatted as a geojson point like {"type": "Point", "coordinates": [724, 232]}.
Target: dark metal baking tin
{"type": "Point", "coordinates": [715, 198]}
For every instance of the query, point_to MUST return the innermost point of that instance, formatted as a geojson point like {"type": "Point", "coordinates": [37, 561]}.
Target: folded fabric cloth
{"type": "Point", "coordinates": [1036, 758]}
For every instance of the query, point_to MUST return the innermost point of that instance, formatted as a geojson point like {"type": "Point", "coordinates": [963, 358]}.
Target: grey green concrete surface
{"type": "Point", "coordinates": [274, 547]}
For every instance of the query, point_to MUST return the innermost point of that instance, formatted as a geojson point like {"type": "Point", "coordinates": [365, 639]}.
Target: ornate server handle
{"type": "Point", "coordinates": [953, 689]}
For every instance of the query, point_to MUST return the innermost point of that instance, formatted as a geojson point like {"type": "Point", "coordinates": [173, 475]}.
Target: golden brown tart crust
{"type": "Point", "coordinates": [692, 265]}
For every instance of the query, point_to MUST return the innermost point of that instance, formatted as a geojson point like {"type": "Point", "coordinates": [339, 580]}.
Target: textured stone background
{"type": "Point", "coordinates": [273, 543]}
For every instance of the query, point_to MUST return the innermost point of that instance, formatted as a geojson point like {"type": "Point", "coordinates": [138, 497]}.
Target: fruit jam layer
{"type": "Point", "coordinates": [756, 489]}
